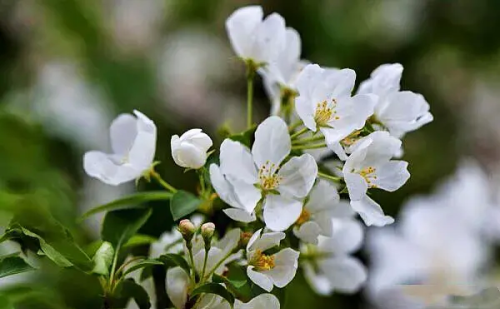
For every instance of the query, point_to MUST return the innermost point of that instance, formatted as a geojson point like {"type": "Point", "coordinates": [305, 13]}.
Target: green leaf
{"type": "Point", "coordinates": [103, 259]}
{"type": "Point", "coordinates": [120, 225]}
{"type": "Point", "coordinates": [172, 260]}
{"type": "Point", "coordinates": [182, 204]}
{"type": "Point", "coordinates": [142, 264]}
{"type": "Point", "coordinates": [12, 265]}
{"type": "Point", "coordinates": [234, 283]}
{"type": "Point", "coordinates": [139, 240]}
{"type": "Point", "coordinates": [5, 303]}
{"type": "Point", "coordinates": [128, 289]}
{"type": "Point", "coordinates": [214, 288]}
{"type": "Point", "coordinates": [245, 137]}
{"type": "Point", "coordinates": [130, 201]}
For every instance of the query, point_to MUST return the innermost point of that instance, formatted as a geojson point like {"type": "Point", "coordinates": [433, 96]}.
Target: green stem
{"type": "Point", "coordinates": [113, 267]}
{"type": "Point", "coordinates": [294, 126]}
{"type": "Point", "coordinates": [329, 177]}
{"type": "Point", "coordinates": [204, 266]}
{"type": "Point", "coordinates": [309, 139]}
{"type": "Point", "coordinates": [211, 272]}
{"type": "Point", "coordinates": [250, 77]}
{"type": "Point", "coordinates": [162, 182]}
{"type": "Point", "coordinates": [305, 147]}
{"type": "Point", "coordinates": [299, 133]}
{"type": "Point", "coordinates": [202, 182]}
{"type": "Point", "coordinates": [191, 260]}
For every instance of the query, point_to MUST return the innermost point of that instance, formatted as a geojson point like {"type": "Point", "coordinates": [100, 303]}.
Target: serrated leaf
{"type": "Point", "coordinates": [120, 225]}
{"type": "Point", "coordinates": [183, 203]}
{"type": "Point", "coordinates": [13, 264]}
{"type": "Point", "coordinates": [142, 264]}
{"type": "Point", "coordinates": [214, 288]}
{"type": "Point", "coordinates": [139, 240]}
{"type": "Point", "coordinates": [131, 201]}
{"type": "Point", "coordinates": [128, 289]}
{"type": "Point", "coordinates": [172, 260]}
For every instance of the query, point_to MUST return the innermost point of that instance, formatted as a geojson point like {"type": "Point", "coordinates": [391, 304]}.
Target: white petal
{"type": "Point", "coordinates": [263, 301]}
{"type": "Point", "coordinates": [286, 263]}
{"type": "Point", "coordinates": [384, 80]}
{"type": "Point", "coordinates": [270, 39]}
{"type": "Point", "coordinates": [100, 165]}
{"type": "Point", "coordinates": [248, 195]}
{"type": "Point", "coordinates": [241, 26]}
{"type": "Point", "coordinates": [347, 237]}
{"type": "Point", "coordinates": [346, 274]}
{"type": "Point", "coordinates": [236, 160]}
{"type": "Point", "coordinates": [187, 155]}
{"type": "Point", "coordinates": [371, 212]}
{"type": "Point", "coordinates": [265, 241]}
{"type": "Point", "coordinates": [281, 212]}
{"type": "Point", "coordinates": [260, 279]}
{"type": "Point", "coordinates": [298, 176]}
{"type": "Point", "coordinates": [356, 185]}
{"type": "Point", "coordinates": [317, 280]}
{"type": "Point", "coordinates": [392, 175]}
{"type": "Point", "coordinates": [342, 82]}
{"type": "Point", "coordinates": [382, 149]}
{"type": "Point", "coordinates": [123, 131]}
{"type": "Point", "coordinates": [272, 142]}
{"type": "Point", "coordinates": [230, 241]}
{"type": "Point", "coordinates": [308, 232]}
{"type": "Point", "coordinates": [240, 215]}
{"type": "Point", "coordinates": [177, 283]}
{"type": "Point", "coordinates": [306, 111]}
{"type": "Point", "coordinates": [214, 256]}
{"type": "Point", "coordinates": [199, 139]}
{"type": "Point", "coordinates": [143, 150]}
{"type": "Point", "coordinates": [323, 196]}
{"type": "Point", "coordinates": [223, 188]}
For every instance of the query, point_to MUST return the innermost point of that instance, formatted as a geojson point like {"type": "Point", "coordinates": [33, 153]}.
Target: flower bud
{"type": "Point", "coordinates": [244, 239]}
{"type": "Point", "coordinates": [207, 232]}
{"type": "Point", "coordinates": [187, 229]}
{"type": "Point", "coordinates": [190, 150]}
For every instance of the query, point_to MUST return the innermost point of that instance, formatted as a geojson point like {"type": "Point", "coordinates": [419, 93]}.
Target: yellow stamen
{"type": "Point", "coordinates": [269, 180]}
{"type": "Point", "coordinates": [262, 261]}
{"type": "Point", "coordinates": [367, 174]}
{"type": "Point", "coordinates": [305, 215]}
{"type": "Point", "coordinates": [325, 112]}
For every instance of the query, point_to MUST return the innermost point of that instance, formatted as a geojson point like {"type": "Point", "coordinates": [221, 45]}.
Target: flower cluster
{"type": "Point", "coordinates": [289, 207]}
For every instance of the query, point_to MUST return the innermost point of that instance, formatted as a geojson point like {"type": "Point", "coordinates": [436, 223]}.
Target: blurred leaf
{"type": "Point", "coordinates": [128, 289]}
{"type": "Point", "coordinates": [142, 264]}
{"type": "Point", "coordinates": [172, 260]}
{"type": "Point", "coordinates": [183, 203]}
{"type": "Point", "coordinates": [130, 201]}
{"type": "Point", "coordinates": [5, 303]}
{"type": "Point", "coordinates": [139, 240]}
{"type": "Point", "coordinates": [245, 137]}
{"type": "Point", "coordinates": [120, 225]}
{"type": "Point", "coordinates": [214, 288]}
{"type": "Point", "coordinates": [103, 259]}
{"type": "Point", "coordinates": [13, 264]}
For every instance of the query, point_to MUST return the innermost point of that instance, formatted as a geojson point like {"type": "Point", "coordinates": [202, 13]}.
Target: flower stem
{"type": "Point", "coordinates": [294, 126]}
{"type": "Point", "coordinates": [191, 260]}
{"type": "Point", "coordinates": [217, 265]}
{"type": "Point", "coordinates": [204, 266]}
{"type": "Point", "coordinates": [202, 182]}
{"type": "Point", "coordinates": [330, 177]}
{"type": "Point", "coordinates": [162, 182]}
{"type": "Point", "coordinates": [299, 133]}
{"type": "Point", "coordinates": [305, 147]}
{"type": "Point", "coordinates": [250, 76]}
{"type": "Point", "coordinates": [309, 139]}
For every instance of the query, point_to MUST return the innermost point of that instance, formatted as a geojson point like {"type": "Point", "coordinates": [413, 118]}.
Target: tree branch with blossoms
{"type": "Point", "coordinates": [288, 208]}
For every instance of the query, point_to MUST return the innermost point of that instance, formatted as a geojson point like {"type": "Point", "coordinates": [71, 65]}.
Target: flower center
{"type": "Point", "coordinates": [305, 215]}
{"type": "Point", "coordinates": [368, 174]}
{"type": "Point", "coordinates": [325, 112]}
{"type": "Point", "coordinates": [267, 176]}
{"type": "Point", "coordinates": [263, 261]}
{"type": "Point", "coordinates": [352, 138]}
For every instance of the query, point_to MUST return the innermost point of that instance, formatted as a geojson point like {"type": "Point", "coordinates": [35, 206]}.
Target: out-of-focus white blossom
{"type": "Point", "coordinates": [133, 140]}
{"type": "Point", "coordinates": [268, 270]}
{"type": "Point", "coordinates": [370, 166]}
{"type": "Point", "coordinates": [190, 150]}
{"type": "Point", "coordinates": [245, 177]}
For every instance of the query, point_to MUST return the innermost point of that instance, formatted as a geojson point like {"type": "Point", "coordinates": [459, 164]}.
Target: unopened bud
{"type": "Point", "coordinates": [187, 229]}
{"type": "Point", "coordinates": [207, 232]}
{"type": "Point", "coordinates": [244, 239]}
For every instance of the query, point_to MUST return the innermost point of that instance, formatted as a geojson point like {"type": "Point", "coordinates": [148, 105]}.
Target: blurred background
{"type": "Point", "coordinates": [68, 67]}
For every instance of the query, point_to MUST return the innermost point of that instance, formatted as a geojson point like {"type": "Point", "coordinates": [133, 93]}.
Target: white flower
{"type": "Point", "coordinates": [256, 39]}
{"type": "Point", "coordinates": [267, 301]}
{"type": "Point", "coordinates": [329, 266]}
{"type": "Point", "coordinates": [190, 150]}
{"type": "Point", "coordinates": [325, 103]}
{"type": "Point", "coordinates": [316, 217]}
{"type": "Point", "coordinates": [219, 250]}
{"type": "Point", "coordinates": [177, 285]}
{"type": "Point", "coordinates": [268, 270]}
{"type": "Point", "coordinates": [370, 166]}
{"type": "Point", "coordinates": [133, 141]}
{"type": "Point", "coordinates": [245, 177]}
{"type": "Point", "coordinates": [397, 111]}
